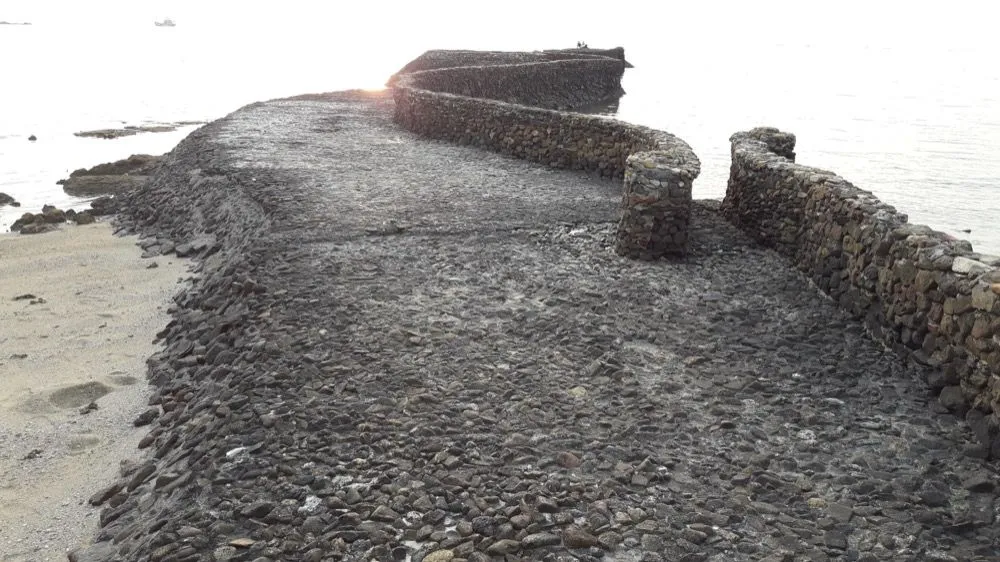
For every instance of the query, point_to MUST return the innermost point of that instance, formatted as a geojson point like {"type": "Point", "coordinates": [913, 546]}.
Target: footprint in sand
{"type": "Point", "coordinates": [82, 443]}
{"type": "Point", "coordinates": [121, 379]}
{"type": "Point", "coordinates": [79, 394]}
{"type": "Point", "coordinates": [35, 405]}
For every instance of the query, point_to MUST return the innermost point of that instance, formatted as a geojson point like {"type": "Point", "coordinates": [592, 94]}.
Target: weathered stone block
{"type": "Point", "coordinates": [968, 266]}
{"type": "Point", "coordinates": [983, 298]}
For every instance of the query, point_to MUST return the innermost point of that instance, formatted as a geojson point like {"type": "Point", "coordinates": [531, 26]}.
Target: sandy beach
{"type": "Point", "coordinates": [79, 310]}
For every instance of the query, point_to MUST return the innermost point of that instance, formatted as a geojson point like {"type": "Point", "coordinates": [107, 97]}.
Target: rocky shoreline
{"type": "Point", "coordinates": [102, 182]}
{"type": "Point", "coordinates": [111, 178]}
{"type": "Point", "coordinates": [50, 217]}
{"type": "Point", "coordinates": [400, 349]}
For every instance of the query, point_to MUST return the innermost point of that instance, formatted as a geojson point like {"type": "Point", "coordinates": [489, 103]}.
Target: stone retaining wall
{"type": "Point", "coordinates": [553, 85]}
{"type": "Point", "coordinates": [457, 58]}
{"type": "Point", "coordinates": [922, 292]}
{"type": "Point", "coordinates": [502, 108]}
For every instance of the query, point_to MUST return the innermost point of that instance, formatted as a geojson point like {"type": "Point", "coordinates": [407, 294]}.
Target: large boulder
{"type": "Point", "coordinates": [32, 223]}
{"type": "Point", "coordinates": [52, 215]}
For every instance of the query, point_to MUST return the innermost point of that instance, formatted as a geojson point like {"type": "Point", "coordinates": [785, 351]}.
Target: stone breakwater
{"type": "Point", "coordinates": [400, 349]}
{"type": "Point", "coordinates": [498, 102]}
{"type": "Point", "coordinates": [457, 58]}
{"type": "Point", "coordinates": [922, 292]}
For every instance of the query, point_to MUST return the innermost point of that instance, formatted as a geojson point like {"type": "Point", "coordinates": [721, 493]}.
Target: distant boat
{"type": "Point", "coordinates": [167, 22]}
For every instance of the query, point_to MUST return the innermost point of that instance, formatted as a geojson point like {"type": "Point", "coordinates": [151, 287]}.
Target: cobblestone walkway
{"type": "Point", "coordinates": [435, 355]}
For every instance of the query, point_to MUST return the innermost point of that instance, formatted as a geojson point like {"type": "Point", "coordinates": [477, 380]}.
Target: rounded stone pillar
{"type": "Point", "coordinates": [656, 207]}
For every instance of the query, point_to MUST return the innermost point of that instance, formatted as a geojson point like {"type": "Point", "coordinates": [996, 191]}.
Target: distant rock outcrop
{"type": "Point", "coordinates": [130, 130]}
{"type": "Point", "coordinates": [111, 178]}
{"type": "Point", "coordinates": [125, 131]}
{"type": "Point", "coordinates": [8, 200]}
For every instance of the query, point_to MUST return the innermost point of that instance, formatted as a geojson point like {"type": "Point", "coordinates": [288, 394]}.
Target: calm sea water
{"type": "Point", "coordinates": [902, 103]}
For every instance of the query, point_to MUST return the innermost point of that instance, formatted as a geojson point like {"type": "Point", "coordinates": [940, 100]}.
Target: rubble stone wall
{"type": "Point", "coordinates": [922, 292]}
{"type": "Point", "coordinates": [503, 108]}
{"type": "Point", "coordinates": [561, 84]}
{"type": "Point", "coordinates": [457, 58]}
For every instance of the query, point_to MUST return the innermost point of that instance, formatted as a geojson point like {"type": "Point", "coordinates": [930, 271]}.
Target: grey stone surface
{"type": "Point", "coordinates": [319, 369]}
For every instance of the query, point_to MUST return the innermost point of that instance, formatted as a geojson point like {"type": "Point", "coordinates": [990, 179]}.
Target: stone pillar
{"type": "Point", "coordinates": [656, 207]}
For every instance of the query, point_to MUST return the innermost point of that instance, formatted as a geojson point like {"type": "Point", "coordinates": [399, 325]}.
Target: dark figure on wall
{"type": "Point", "coordinates": [581, 44]}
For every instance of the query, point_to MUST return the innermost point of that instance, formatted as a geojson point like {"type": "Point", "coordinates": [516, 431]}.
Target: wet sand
{"type": "Point", "coordinates": [83, 336]}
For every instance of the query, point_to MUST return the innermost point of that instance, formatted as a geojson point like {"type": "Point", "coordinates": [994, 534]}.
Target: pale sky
{"type": "Point", "coordinates": [379, 37]}
{"type": "Point", "coordinates": [965, 22]}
